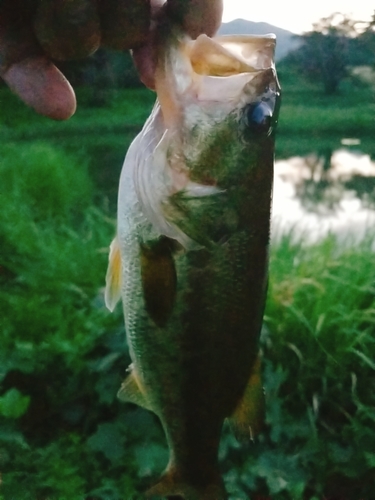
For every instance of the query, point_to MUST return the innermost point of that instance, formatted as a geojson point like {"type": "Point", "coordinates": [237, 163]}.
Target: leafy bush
{"type": "Point", "coordinates": [62, 356]}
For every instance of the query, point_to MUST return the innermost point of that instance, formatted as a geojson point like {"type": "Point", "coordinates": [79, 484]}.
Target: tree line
{"type": "Point", "coordinates": [334, 46]}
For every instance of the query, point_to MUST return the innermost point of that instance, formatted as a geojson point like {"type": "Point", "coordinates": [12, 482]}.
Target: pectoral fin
{"type": "Point", "coordinates": [159, 279]}
{"type": "Point", "coordinates": [248, 417]}
{"type": "Point", "coordinates": [131, 391]}
{"type": "Point", "coordinates": [114, 276]}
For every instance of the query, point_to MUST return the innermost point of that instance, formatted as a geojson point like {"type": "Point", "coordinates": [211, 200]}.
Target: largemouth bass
{"type": "Point", "coordinates": [190, 256]}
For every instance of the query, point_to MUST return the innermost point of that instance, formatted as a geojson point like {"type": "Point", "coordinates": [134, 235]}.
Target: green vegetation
{"type": "Point", "coordinates": [63, 434]}
{"type": "Point", "coordinates": [311, 121]}
{"type": "Point", "coordinates": [335, 44]}
{"type": "Point", "coordinates": [62, 355]}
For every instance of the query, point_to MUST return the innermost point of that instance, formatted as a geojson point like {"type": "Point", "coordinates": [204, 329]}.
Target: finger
{"type": "Point", "coordinates": [144, 57]}
{"type": "Point", "coordinates": [196, 16]}
{"type": "Point", "coordinates": [67, 29]}
{"type": "Point", "coordinates": [42, 86]}
{"type": "Point", "coordinates": [24, 68]}
{"type": "Point", "coordinates": [125, 24]}
{"type": "Point", "coordinates": [145, 62]}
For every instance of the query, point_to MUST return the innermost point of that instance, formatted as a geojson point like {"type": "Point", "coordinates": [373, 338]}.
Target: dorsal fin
{"type": "Point", "coordinates": [113, 278]}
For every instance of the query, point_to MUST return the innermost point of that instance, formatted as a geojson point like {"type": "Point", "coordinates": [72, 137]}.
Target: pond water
{"type": "Point", "coordinates": [333, 191]}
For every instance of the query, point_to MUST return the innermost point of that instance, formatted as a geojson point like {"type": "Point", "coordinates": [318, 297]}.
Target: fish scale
{"type": "Point", "coordinates": [193, 231]}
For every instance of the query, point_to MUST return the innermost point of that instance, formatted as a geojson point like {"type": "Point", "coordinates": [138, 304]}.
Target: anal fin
{"type": "Point", "coordinates": [248, 418]}
{"type": "Point", "coordinates": [131, 391]}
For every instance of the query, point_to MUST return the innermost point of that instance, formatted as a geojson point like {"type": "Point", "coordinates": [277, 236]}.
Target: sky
{"type": "Point", "coordinates": [293, 15]}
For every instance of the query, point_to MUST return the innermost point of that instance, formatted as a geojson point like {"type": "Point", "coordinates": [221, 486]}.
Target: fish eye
{"type": "Point", "coordinates": [258, 118]}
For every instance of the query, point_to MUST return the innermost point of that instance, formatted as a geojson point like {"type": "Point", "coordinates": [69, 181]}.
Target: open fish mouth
{"type": "Point", "coordinates": [201, 85]}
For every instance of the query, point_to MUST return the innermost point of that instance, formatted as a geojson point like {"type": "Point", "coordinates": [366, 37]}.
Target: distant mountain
{"type": "Point", "coordinates": [285, 39]}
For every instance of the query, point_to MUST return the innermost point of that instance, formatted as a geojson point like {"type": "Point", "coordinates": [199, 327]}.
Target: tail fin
{"type": "Point", "coordinates": [168, 486]}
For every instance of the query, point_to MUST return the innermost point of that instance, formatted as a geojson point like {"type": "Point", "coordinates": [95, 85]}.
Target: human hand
{"type": "Point", "coordinates": [194, 16]}
{"type": "Point", "coordinates": [33, 32]}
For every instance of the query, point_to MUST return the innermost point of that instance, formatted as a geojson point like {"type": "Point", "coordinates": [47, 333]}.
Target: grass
{"type": "Point", "coordinates": [311, 121]}
{"type": "Point", "coordinates": [355, 120]}
{"type": "Point", "coordinates": [124, 110]}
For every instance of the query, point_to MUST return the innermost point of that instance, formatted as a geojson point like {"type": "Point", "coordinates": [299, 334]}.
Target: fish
{"type": "Point", "coordinates": [190, 256]}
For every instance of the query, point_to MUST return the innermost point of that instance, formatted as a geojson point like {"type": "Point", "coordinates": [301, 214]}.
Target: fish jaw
{"type": "Point", "coordinates": [207, 69]}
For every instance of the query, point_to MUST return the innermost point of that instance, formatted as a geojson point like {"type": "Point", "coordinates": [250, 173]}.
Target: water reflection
{"type": "Point", "coordinates": [326, 191]}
